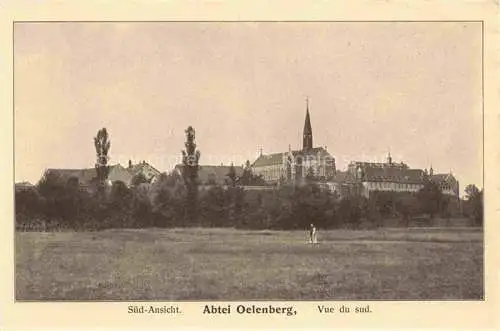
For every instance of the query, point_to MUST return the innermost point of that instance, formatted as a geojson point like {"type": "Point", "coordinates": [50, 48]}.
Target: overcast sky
{"type": "Point", "coordinates": [411, 88]}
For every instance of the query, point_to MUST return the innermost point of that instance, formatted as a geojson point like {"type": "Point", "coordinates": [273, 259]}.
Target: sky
{"type": "Point", "coordinates": [414, 89]}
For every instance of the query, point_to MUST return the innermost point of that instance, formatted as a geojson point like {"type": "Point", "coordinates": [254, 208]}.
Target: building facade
{"type": "Point", "coordinates": [147, 170]}
{"type": "Point", "coordinates": [292, 165]}
{"type": "Point", "coordinates": [87, 177]}
{"type": "Point", "coordinates": [448, 184]}
{"type": "Point", "coordinates": [364, 178]}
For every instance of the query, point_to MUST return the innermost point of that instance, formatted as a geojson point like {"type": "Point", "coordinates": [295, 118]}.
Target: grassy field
{"type": "Point", "coordinates": [227, 264]}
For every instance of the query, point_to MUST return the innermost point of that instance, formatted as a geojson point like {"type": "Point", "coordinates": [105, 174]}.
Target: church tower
{"type": "Point", "coordinates": [307, 143]}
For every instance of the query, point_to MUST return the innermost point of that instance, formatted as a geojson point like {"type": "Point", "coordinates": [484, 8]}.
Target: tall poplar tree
{"type": "Point", "coordinates": [102, 145]}
{"type": "Point", "coordinates": [190, 161]}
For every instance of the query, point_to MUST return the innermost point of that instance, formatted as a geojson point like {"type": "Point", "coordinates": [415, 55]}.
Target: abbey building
{"type": "Point", "coordinates": [364, 178]}
{"type": "Point", "coordinates": [292, 165]}
{"type": "Point", "coordinates": [370, 177]}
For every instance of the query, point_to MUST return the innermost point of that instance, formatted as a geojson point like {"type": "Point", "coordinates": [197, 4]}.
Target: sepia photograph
{"type": "Point", "coordinates": [248, 161]}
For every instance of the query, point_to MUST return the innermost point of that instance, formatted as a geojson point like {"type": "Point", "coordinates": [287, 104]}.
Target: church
{"type": "Point", "coordinates": [360, 178]}
{"type": "Point", "coordinates": [294, 165]}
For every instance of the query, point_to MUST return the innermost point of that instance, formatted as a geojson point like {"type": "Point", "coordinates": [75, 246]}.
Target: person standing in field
{"type": "Point", "coordinates": [313, 239]}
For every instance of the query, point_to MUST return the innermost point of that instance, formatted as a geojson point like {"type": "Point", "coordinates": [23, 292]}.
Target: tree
{"type": "Point", "coordinates": [344, 211]}
{"type": "Point", "coordinates": [51, 185]}
{"type": "Point", "coordinates": [471, 191]}
{"type": "Point", "coordinates": [255, 216]}
{"type": "Point", "coordinates": [249, 178]}
{"type": "Point", "coordinates": [235, 195]}
{"type": "Point", "coordinates": [168, 199]}
{"type": "Point", "coordinates": [257, 180]}
{"type": "Point", "coordinates": [478, 208]}
{"type": "Point", "coordinates": [138, 179]}
{"type": "Point", "coordinates": [190, 161]}
{"type": "Point", "coordinates": [246, 176]}
{"type": "Point", "coordinates": [118, 208]}
{"type": "Point", "coordinates": [102, 145]}
{"type": "Point", "coordinates": [232, 175]}
{"type": "Point", "coordinates": [374, 215]}
{"type": "Point", "coordinates": [211, 180]}
{"type": "Point", "coordinates": [430, 198]}
{"type": "Point", "coordinates": [407, 205]}
{"type": "Point", "coordinates": [353, 210]}
{"type": "Point", "coordinates": [62, 202]}
{"type": "Point", "coordinates": [169, 179]}
{"type": "Point", "coordinates": [120, 196]}
{"type": "Point", "coordinates": [310, 174]}
{"type": "Point", "coordinates": [26, 205]}
{"type": "Point", "coordinates": [385, 202]}
{"type": "Point", "coordinates": [474, 204]}
{"type": "Point", "coordinates": [213, 207]}
{"type": "Point", "coordinates": [70, 206]}
{"type": "Point", "coordinates": [303, 205]}
{"type": "Point", "coordinates": [73, 184]}
{"type": "Point", "coordinates": [52, 190]}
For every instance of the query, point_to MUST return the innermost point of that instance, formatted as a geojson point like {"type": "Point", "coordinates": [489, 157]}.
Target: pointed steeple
{"type": "Point", "coordinates": [307, 136]}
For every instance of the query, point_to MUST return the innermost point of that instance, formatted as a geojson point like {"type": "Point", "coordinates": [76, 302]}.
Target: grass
{"type": "Point", "coordinates": [228, 264]}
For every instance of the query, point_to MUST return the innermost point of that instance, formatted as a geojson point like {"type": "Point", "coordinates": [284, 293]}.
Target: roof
{"type": "Point", "coordinates": [277, 158]}
{"type": "Point", "coordinates": [378, 164]}
{"type": "Point", "coordinates": [21, 186]}
{"type": "Point", "coordinates": [83, 175]}
{"type": "Point", "coordinates": [442, 178]}
{"type": "Point", "coordinates": [217, 173]}
{"type": "Point", "coordinates": [268, 159]}
{"type": "Point", "coordinates": [90, 174]}
{"type": "Point", "coordinates": [390, 174]}
{"type": "Point", "coordinates": [24, 184]}
{"type": "Point", "coordinates": [307, 123]}
{"type": "Point", "coordinates": [445, 181]}
{"type": "Point", "coordinates": [119, 173]}
{"type": "Point", "coordinates": [141, 167]}
{"type": "Point", "coordinates": [343, 177]}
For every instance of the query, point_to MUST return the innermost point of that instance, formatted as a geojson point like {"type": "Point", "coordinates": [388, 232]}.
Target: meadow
{"type": "Point", "coordinates": [228, 264]}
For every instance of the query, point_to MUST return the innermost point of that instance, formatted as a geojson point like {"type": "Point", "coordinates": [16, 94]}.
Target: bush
{"type": "Point", "coordinates": [56, 204]}
{"type": "Point", "coordinates": [213, 207]}
{"type": "Point", "coordinates": [168, 202]}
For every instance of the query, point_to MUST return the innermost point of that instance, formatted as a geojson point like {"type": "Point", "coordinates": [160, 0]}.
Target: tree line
{"type": "Point", "coordinates": [176, 200]}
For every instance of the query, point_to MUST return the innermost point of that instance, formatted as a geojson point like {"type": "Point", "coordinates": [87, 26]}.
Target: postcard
{"type": "Point", "coordinates": [237, 169]}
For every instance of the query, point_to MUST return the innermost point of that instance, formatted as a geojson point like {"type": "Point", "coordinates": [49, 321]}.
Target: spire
{"type": "Point", "coordinates": [307, 136]}
{"type": "Point", "coordinates": [389, 158]}
{"type": "Point", "coordinates": [431, 171]}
